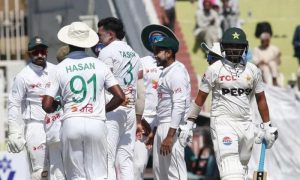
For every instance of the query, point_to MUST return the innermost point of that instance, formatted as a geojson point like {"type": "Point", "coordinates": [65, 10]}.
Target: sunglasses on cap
{"type": "Point", "coordinates": [155, 38]}
{"type": "Point", "coordinates": [36, 52]}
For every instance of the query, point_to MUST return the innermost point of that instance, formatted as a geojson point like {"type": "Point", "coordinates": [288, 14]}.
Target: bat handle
{"type": "Point", "coordinates": [262, 156]}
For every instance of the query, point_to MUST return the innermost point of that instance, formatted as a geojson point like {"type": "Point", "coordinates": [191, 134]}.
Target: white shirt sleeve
{"type": "Point", "coordinates": [54, 86]}
{"type": "Point", "coordinates": [15, 98]}
{"type": "Point", "coordinates": [106, 58]}
{"type": "Point", "coordinates": [110, 80]}
{"type": "Point", "coordinates": [208, 80]}
{"type": "Point", "coordinates": [179, 86]}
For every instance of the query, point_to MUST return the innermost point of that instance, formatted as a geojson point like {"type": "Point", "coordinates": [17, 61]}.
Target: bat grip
{"type": "Point", "coordinates": [262, 156]}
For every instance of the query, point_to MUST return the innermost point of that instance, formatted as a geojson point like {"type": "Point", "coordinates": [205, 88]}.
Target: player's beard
{"type": "Point", "coordinates": [39, 60]}
{"type": "Point", "coordinates": [161, 61]}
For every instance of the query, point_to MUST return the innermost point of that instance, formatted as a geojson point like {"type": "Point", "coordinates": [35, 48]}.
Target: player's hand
{"type": "Point", "coordinates": [15, 143]}
{"type": "Point", "coordinates": [146, 127]}
{"type": "Point", "coordinates": [139, 132]}
{"type": "Point", "coordinates": [149, 141]}
{"type": "Point", "coordinates": [267, 132]}
{"type": "Point", "coordinates": [185, 133]}
{"type": "Point", "coordinates": [166, 146]}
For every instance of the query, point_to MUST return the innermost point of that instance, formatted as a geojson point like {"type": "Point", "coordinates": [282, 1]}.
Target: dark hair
{"type": "Point", "coordinates": [113, 24]}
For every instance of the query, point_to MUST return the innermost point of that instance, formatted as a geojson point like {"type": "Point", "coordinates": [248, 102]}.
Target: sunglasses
{"type": "Point", "coordinates": [36, 52]}
{"type": "Point", "coordinates": [156, 38]}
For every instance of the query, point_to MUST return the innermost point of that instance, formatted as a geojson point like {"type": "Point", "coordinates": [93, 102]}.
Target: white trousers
{"type": "Point", "coordinates": [172, 166]}
{"type": "Point", "coordinates": [121, 124]}
{"type": "Point", "coordinates": [35, 137]}
{"type": "Point", "coordinates": [141, 153]}
{"type": "Point", "coordinates": [233, 141]}
{"type": "Point", "coordinates": [56, 171]}
{"type": "Point", "coordinates": [84, 148]}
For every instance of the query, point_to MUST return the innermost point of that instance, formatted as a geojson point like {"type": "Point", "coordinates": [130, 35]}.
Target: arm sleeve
{"type": "Point", "coordinates": [208, 80]}
{"type": "Point", "coordinates": [180, 88]}
{"type": "Point", "coordinates": [15, 98]}
{"type": "Point", "coordinates": [54, 87]}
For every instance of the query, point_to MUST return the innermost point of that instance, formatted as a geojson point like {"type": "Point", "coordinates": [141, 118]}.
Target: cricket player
{"type": "Point", "coordinates": [52, 128]}
{"type": "Point", "coordinates": [121, 123]}
{"type": "Point", "coordinates": [82, 80]}
{"type": "Point", "coordinates": [173, 102]}
{"type": "Point", "coordinates": [233, 81]}
{"type": "Point", "coordinates": [149, 72]}
{"type": "Point", "coordinates": [26, 97]}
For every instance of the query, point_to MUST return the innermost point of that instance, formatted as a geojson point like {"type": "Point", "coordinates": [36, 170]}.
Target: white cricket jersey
{"type": "Point", "coordinates": [167, 4]}
{"type": "Point", "coordinates": [174, 94]}
{"type": "Point", "coordinates": [232, 88]}
{"type": "Point", "coordinates": [124, 64]}
{"type": "Point", "coordinates": [151, 74]}
{"type": "Point", "coordinates": [27, 92]}
{"type": "Point", "coordinates": [81, 81]}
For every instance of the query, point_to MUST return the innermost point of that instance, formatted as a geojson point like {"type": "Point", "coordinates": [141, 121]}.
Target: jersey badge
{"type": "Point", "coordinates": [227, 141]}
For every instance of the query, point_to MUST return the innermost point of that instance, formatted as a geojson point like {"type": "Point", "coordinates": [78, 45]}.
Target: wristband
{"type": "Point", "coordinates": [194, 111]}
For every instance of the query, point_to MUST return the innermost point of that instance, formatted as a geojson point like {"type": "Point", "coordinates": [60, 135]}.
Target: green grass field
{"type": "Point", "coordinates": [283, 15]}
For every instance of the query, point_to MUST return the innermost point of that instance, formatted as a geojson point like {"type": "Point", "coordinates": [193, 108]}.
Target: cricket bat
{"type": "Point", "coordinates": [260, 174]}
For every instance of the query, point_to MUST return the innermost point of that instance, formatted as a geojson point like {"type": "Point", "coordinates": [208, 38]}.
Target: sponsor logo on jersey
{"type": "Point", "coordinates": [32, 86]}
{"type": "Point", "coordinates": [227, 141]}
{"type": "Point", "coordinates": [236, 91]}
{"type": "Point", "coordinates": [89, 108]}
{"type": "Point", "coordinates": [40, 147]}
{"type": "Point", "coordinates": [177, 90]}
{"type": "Point", "coordinates": [154, 84]}
{"type": "Point", "coordinates": [74, 108]}
{"type": "Point", "coordinates": [153, 70]}
{"type": "Point", "coordinates": [49, 118]}
{"type": "Point", "coordinates": [228, 78]}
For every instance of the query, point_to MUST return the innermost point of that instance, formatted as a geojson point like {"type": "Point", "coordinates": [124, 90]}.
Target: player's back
{"type": "Point", "coordinates": [82, 82]}
{"type": "Point", "coordinates": [124, 63]}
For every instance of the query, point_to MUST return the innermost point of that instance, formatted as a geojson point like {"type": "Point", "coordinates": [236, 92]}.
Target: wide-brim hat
{"type": "Point", "coordinates": [215, 50]}
{"type": "Point", "coordinates": [78, 34]}
{"type": "Point", "coordinates": [155, 28]}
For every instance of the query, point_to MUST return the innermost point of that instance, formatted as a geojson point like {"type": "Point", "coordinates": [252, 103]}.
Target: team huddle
{"type": "Point", "coordinates": [84, 119]}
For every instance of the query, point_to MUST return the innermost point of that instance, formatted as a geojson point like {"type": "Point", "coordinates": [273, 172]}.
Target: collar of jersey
{"type": "Point", "coordinates": [167, 69]}
{"type": "Point", "coordinates": [77, 55]}
{"type": "Point", "coordinates": [38, 68]}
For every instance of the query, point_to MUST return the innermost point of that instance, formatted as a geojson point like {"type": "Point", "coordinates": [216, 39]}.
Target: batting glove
{"type": "Point", "coordinates": [185, 135]}
{"type": "Point", "coordinates": [267, 132]}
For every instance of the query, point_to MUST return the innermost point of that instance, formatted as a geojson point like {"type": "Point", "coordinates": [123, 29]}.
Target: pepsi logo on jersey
{"type": "Point", "coordinates": [227, 141]}
{"type": "Point", "coordinates": [236, 91]}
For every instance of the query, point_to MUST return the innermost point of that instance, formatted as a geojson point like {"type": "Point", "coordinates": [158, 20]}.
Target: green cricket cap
{"type": "Point", "coordinates": [234, 36]}
{"type": "Point", "coordinates": [168, 43]}
{"type": "Point", "coordinates": [35, 42]}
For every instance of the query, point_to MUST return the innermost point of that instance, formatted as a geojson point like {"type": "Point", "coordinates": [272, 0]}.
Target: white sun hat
{"type": "Point", "coordinates": [78, 34]}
